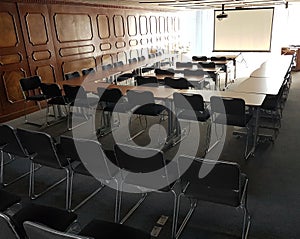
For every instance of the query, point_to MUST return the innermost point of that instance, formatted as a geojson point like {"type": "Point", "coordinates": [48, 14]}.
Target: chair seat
{"type": "Point", "coordinates": [58, 101]}
{"type": "Point", "coordinates": [151, 109]}
{"type": "Point", "coordinates": [7, 200]}
{"type": "Point", "coordinates": [55, 218]}
{"type": "Point", "coordinates": [216, 195]}
{"type": "Point", "coordinates": [81, 169]}
{"type": "Point", "coordinates": [101, 229]}
{"type": "Point", "coordinates": [39, 97]}
{"type": "Point", "coordinates": [233, 120]}
{"type": "Point", "coordinates": [194, 115]}
{"type": "Point", "coordinates": [120, 107]}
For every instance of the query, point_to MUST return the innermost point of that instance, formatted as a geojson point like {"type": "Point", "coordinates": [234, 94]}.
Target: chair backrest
{"type": "Point", "coordinates": [88, 71]}
{"type": "Point", "coordinates": [190, 72]}
{"type": "Point", "coordinates": [7, 228]}
{"type": "Point", "coordinates": [139, 98]}
{"type": "Point", "coordinates": [40, 146]}
{"type": "Point", "coordinates": [118, 63]}
{"type": "Point", "coordinates": [51, 90]}
{"type": "Point", "coordinates": [132, 60]}
{"type": "Point", "coordinates": [107, 67]}
{"type": "Point", "coordinates": [218, 58]}
{"type": "Point", "coordinates": [209, 174]}
{"type": "Point", "coordinates": [109, 95]}
{"type": "Point", "coordinates": [72, 75]}
{"type": "Point", "coordinates": [210, 64]}
{"type": "Point", "coordinates": [90, 153]}
{"type": "Point", "coordinates": [199, 58]}
{"type": "Point", "coordinates": [159, 71]}
{"type": "Point", "coordinates": [140, 160]}
{"type": "Point", "coordinates": [146, 80]}
{"type": "Point", "coordinates": [188, 101]}
{"type": "Point", "coordinates": [30, 86]}
{"type": "Point", "coordinates": [233, 108]}
{"type": "Point", "coordinates": [229, 106]}
{"type": "Point", "coordinates": [40, 231]}
{"type": "Point", "coordinates": [141, 58]}
{"type": "Point", "coordinates": [71, 92]}
{"type": "Point", "coordinates": [10, 143]}
{"type": "Point", "coordinates": [179, 83]}
{"type": "Point", "coordinates": [184, 65]}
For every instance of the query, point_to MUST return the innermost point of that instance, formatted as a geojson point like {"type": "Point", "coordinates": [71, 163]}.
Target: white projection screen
{"type": "Point", "coordinates": [244, 30]}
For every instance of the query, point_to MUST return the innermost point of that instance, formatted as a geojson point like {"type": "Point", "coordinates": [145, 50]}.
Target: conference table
{"type": "Point", "coordinates": [253, 91]}
{"type": "Point", "coordinates": [101, 75]}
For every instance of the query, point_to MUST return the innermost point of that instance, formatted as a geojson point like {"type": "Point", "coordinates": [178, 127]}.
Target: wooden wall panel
{"type": "Point", "coordinates": [38, 41]}
{"type": "Point", "coordinates": [13, 62]}
{"type": "Point", "coordinates": [53, 39]}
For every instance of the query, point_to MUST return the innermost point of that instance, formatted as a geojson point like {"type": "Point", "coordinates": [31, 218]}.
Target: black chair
{"type": "Point", "coordinates": [190, 72]}
{"type": "Point", "coordinates": [146, 81]}
{"type": "Point", "coordinates": [132, 60]}
{"type": "Point", "coordinates": [211, 74]}
{"type": "Point", "coordinates": [32, 92]}
{"type": "Point", "coordinates": [58, 219]}
{"type": "Point", "coordinates": [76, 96]}
{"type": "Point", "coordinates": [96, 229]}
{"type": "Point", "coordinates": [272, 108]}
{"type": "Point", "coordinates": [118, 64]}
{"type": "Point", "coordinates": [177, 83]}
{"type": "Point", "coordinates": [106, 68]}
{"type": "Point", "coordinates": [143, 103]}
{"type": "Point", "coordinates": [184, 65]}
{"type": "Point", "coordinates": [141, 58]}
{"type": "Point", "coordinates": [218, 58]}
{"type": "Point", "coordinates": [72, 75]}
{"type": "Point", "coordinates": [7, 200]}
{"type": "Point", "coordinates": [232, 112]}
{"type": "Point", "coordinates": [54, 97]}
{"type": "Point", "coordinates": [217, 182]}
{"type": "Point", "coordinates": [91, 161]}
{"type": "Point", "coordinates": [88, 71]}
{"type": "Point", "coordinates": [139, 161]}
{"type": "Point", "coordinates": [43, 151]}
{"type": "Point", "coordinates": [191, 108]}
{"type": "Point", "coordinates": [124, 76]}
{"type": "Point", "coordinates": [11, 145]}
{"type": "Point", "coordinates": [199, 58]}
{"type": "Point", "coordinates": [209, 64]}
{"type": "Point", "coordinates": [110, 100]}
{"type": "Point", "coordinates": [169, 72]}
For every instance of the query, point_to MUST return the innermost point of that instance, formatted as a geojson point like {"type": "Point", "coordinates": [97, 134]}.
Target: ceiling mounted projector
{"type": "Point", "coordinates": [223, 14]}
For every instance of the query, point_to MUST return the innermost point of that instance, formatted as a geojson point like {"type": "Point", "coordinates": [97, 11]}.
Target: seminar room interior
{"type": "Point", "coordinates": [149, 119]}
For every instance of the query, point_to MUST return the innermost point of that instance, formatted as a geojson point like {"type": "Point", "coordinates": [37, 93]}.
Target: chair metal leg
{"type": "Point", "coordinates": [175, 214]}
{"type": "Point", "coordinates": [32, 194]}
{"type": "Point", "coordinates": [2, 172]}
{"type": "Point", "coordinates": [132, 210]}
{"type": "Point", "coordinates": [140, 132]}
{"type": "Point", "coordinates": [83, 201]}
{"type": "Point", "coordinates": [193, 206]}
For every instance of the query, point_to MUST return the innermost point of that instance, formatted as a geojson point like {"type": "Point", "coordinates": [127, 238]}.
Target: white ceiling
{"type": "Point", "coordinates": [195, 4]}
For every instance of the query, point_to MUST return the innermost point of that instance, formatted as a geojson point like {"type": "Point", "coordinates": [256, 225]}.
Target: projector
{"type": "Point", "coordinates": [222, 16]}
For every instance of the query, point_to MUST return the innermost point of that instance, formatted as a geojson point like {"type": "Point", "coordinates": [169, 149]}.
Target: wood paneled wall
{"type": "Point", "coordinates": [52, 39]}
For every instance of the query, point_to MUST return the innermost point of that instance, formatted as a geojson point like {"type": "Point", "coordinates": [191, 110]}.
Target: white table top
{"type": "Point", "coordinates": [275, 67]}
